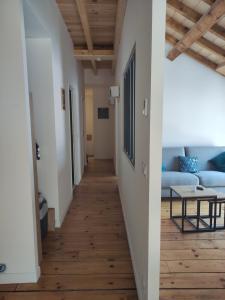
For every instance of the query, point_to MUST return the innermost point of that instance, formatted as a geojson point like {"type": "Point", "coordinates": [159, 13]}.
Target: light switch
{"type": "Point", "coordinates": [145, 107]}
{"type": "Point", "coordinates": [144, 169]}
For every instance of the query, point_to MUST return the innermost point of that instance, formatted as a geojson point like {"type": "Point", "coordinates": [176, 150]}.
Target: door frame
{"type": "Point", "coordinates": [36, 190]}
{"type": "Point", "coordinates": [72, 146]}
{"type": "Point", "coordinates": [89, 87]}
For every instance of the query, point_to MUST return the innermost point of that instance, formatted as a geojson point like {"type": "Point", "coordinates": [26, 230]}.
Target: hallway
{"type": "Point", "coordinates": [88, 258]}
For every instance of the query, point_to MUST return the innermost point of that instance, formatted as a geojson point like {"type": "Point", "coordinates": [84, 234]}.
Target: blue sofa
{"type": "Point", "coordinates": [207, 175]}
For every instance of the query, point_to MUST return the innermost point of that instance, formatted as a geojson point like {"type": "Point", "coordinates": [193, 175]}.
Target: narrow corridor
{"type": "Point", "coordinates": [88, 258]}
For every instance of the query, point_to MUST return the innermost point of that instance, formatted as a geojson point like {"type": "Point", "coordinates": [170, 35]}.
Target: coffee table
{"type": "Point", "coordinates": [197, 222]}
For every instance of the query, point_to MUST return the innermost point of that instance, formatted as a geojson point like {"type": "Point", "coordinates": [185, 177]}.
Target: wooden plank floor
{"type": "Point", "coordinates": [88, 258]}
{"type": "Point", "coordinates": [193, 263]}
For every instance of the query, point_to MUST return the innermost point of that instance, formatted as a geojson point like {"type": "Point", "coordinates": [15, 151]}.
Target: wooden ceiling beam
{"type": "Point", "coordinates": [120, 12]}
{"type": "Point", "coordinates": [194, 16]}
{"type": "Point", "coordinates": [173, 41]}
{"type": "Point", "coordinates": [199, 29]}
{"type": "Point", "coordinates": [203, 42]}
{"type": "Point", "coordinates": [221, 69]}
{"type": "Point", "coordinates": [86, 28]}
{"type": "Point", "coordinates": [99, 55]}
{"type": "Point", "coordinates": [209, 2]}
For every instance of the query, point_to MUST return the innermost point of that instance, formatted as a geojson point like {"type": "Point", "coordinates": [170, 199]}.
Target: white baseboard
{"type": "Point", "coordinates": [30, 277]}
{"type": "Point", "coordinates": [136, 273]}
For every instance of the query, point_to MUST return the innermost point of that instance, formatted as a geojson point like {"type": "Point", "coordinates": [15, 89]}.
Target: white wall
{"type": "Point", "coordinates": [194, 104]}
{"type": "Point", "coordinates": [40, 77]}
{"type": "Point", "coordinates": [18, 246]}
{"type": "Point", "coordinates": [103, 128]}
{"type": "Point", "coordinates": [66, 73]}
{"type": "Point", "coordinates": [140, 195]}
{"type": "Point", "coordinates": [104, 77]}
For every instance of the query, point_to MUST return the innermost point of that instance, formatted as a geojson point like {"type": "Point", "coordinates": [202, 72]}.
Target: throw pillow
{"type": "Point", "coordinates": [188, 164]}
{"type": "Point", "coordinates": [163, 167]}
{"type": "Point", "coordinates": [219, 162]}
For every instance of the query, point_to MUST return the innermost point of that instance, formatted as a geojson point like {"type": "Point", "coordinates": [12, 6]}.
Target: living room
{"type": "Point", "coordinates": [193, 163]}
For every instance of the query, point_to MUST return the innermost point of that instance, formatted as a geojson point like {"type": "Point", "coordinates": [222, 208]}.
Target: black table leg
{"type": "Point", "coordinates": [220, 209]}
{"type": "Point", "coordinates": [210, 213]}
{"type": "Point", "coordinates": [214, 219]}
{"type": "Point", "coordinates": [185, 208]}
{"type": "Point", "coordinates": [223, 216]}
{"type": "Point", "coordinates": [198, 213]}
{"type": "Point", "coordinates": [183, 213]}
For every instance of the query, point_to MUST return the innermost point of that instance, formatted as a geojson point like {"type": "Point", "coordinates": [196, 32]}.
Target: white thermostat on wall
{"type": "Point", "coordinates": [114, 92]}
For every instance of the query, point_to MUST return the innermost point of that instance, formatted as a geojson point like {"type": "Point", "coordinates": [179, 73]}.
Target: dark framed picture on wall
{"type": "Point", "coordinates": [63, 98]}
{"type": "Point", "coordinates": [129, 107]}
{"type": "Point", "coordinates": [103, 113]}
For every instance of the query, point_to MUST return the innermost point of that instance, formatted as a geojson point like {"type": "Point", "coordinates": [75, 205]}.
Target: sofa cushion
{"type": "Point", "coordinates": [211, 178]}
{"type": "Point", "coordinates": [170, 157]}
{"type": "Point", "coordinates": [204, 154]}
{"type": "Point", "coordinates": [188, 164]}
{"type": "Point", "coordinates": [219, 162]}
{"type": "Point", "coordinates": [178, 178]}
{"type": "Point", "coordinates": [163, 167]}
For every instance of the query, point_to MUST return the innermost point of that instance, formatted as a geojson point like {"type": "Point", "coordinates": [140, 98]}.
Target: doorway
{"type": "Point", "coordinates": [89, 122]}
{"type": "Point", "coordinates": [71, 135]}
